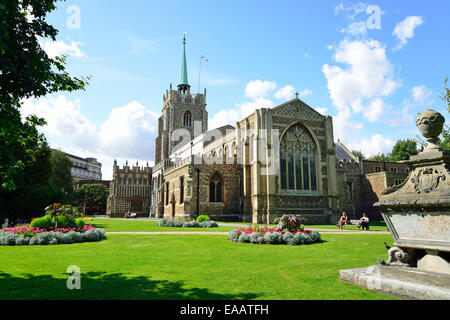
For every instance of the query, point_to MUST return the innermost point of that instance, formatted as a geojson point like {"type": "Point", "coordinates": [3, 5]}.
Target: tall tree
{"type": "Point", "coordinates": [96, 194]}
{"type": "Point", "coordinates": [61, 175]}
{"type": "Point", "coordinates": [403, 149]}
{"type": "Point", "coordinates": [26, 71]}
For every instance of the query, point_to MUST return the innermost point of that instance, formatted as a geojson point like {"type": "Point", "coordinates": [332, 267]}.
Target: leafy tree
{"type": "Point", "coordinates": [403, 149]}
{"type": "Point", "coordinates": [444, 142]}
{"type": "Point", "coordinates": [96, 194]}
{"type": "Point", "coordinates": [33, 191]}
{"type": "Point", "coordinates": [61, 175]}
{"type": "Point", "coordinates": [26, 71]}
{"type": "Point", "coordinates": [381, 157]}
{"type": "Point", "coordinates": [359, 154]}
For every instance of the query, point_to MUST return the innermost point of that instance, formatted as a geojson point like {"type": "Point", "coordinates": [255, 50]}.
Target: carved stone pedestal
{"type": "Point", "coordinates": [417, 214]}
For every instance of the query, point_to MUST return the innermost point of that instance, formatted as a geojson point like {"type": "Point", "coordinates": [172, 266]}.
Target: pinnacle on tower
{"type": "Point", "coordinates": [184, 84]}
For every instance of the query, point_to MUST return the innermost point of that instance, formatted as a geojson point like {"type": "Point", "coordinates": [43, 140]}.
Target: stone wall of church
{"type": "Point", "coordinates": [228, 209]}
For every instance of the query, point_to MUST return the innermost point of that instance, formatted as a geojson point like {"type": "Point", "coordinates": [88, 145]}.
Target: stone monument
{"type": "Point", "coordinates": [417, 214]}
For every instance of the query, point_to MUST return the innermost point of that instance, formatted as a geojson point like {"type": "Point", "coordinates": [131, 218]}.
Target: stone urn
{"type": "Point", "coordinates": [430, 124]}
{"type": "Point", "coordinates": [417, 212]}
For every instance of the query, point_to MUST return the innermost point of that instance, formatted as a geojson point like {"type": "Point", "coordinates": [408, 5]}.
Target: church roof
{"type": "Point", "coordinates": [343, 153]}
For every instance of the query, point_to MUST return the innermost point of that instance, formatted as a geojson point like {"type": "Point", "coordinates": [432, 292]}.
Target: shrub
{"type": "Point", "coordinates": [44, 222]}
{"type": "Point", "coordinates": [202, 218]}
{"type": "Point", "coordinates": [209, 224]}
{"type": "Point", "coordinates": [80, 222]}
{"type": "Point", "coordinates": [255, 237]}
{"type": "Point", "coordinates": [233, 235]}
{"type": "Point", "coordinates": [290, 222]}
{"type": "Point", "coordinates": [244, 237]}
{"type": "Point", "coordinates": [191, 224]}
{"type": "Point", "coordinates": [64, 221]}
{"type": "Point", "coordinates": [178, 223]}
{"type": "Point", "coordinates": [22, 240]}
{"type": "Point", "coordinates": [273, 237]}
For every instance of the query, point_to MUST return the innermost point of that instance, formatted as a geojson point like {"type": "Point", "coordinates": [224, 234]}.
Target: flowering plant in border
{"type": "Point", "coordinates": [29, 232]}
{"type": "Point", "coordinates": [273, 236]}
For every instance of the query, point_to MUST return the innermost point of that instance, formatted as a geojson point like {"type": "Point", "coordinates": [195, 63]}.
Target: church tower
{"type": "Point", "coordinates": [181, 110]}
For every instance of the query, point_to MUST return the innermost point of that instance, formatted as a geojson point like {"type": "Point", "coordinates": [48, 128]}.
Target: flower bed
{"type": "Point", "coordinates": [186, 224]}
{"type": "Point", "coordinates": [274, 236]}
{"type": "Point", "coordinates": [20, 236]}
{"type": "Point", "coordinates": [62, 224]}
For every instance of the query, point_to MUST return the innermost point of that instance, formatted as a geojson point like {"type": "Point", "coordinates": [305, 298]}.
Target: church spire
{"type": "Point", "coordinates": [184, 84]}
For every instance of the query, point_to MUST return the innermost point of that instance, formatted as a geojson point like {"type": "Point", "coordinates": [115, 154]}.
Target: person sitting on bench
{"type": "Point", "coordinates": [127, 214]}
{"type": "Point", "coordinates": [364, 222]}
{"type": "Point", "coordinates": [343, 220]}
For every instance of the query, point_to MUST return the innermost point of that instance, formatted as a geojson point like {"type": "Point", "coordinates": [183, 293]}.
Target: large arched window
{"type": "Point", "coordinates": [298, 160]}
{"type": "Point", "coordinates": [187, 119]}
{"type": "Point", "coordinates": [215, 189]}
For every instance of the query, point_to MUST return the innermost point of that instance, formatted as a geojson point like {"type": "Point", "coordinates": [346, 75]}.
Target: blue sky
{"type": "Point", "coordinates": [371, 65]}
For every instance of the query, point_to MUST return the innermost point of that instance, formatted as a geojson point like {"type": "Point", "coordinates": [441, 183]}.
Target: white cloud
{"type": "Point", "coordinates": [305, 92]}
{"type": "Point", "coordinates": [372, 146]}
{"type": "Point", "coordinates": [257, 91]}
{"type": "Point", "coordinates": [257, 88]}
{"type": "Point", "coordinates": [369, 74]}
{"type": "Point", "coordinates": [58, 48]}
{"type": "Point", "coordinates": [421, 94]}
{"type": "Point", "coordinates": [405, 30]}
{"type": "Point", "coordinates": [285, 93]}
{"type": "Point", "coordinates": [63, 117]}
{"type": "Point", "coordinates": [321, 110]}
{"type": "Point", "coordinates": [128, 133]}
{"type": "Point", "coordinates": [356, 28]}
{"type": "Point", "coordinates": [375, 110]}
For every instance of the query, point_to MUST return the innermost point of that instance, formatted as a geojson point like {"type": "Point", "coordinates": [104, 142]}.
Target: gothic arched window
{"type": "Point", "coordinates": [215, 189]}
{"type": "Point", "coordinates": [298, 160]}
{"type": "Point", "coordinates": [187, 119]}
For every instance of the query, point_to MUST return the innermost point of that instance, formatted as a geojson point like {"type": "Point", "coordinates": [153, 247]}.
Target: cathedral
{"type": "Point", "coordinates": [276, 161]}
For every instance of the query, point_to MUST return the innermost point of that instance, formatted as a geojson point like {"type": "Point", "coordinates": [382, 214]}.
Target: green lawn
{"type": "Point", "coordinates": [190, 267]}
{"type": "Point", "coordinates": [136, 225]}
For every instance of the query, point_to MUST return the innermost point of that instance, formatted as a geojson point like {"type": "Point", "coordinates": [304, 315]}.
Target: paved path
{"type": "Point", "coordinates": [225, 233]}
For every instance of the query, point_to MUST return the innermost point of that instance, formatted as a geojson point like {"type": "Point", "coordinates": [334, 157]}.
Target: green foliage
{"type": "Point", "coordinates": [61, 175]}
{"type": "Point", "coordinates": [202, 218]}
{"type": "Point", "coordinates": [93, 193]}
{"type": "Point", "coordinates": [26, 71]}
{"type": "Point", "coordinates": [62, 221]}
{"type": "Point", "coordinates": [359, 154]}
{"type": "Point", "coordinates": [444, 140]}
{"type": "Point", "coordinates": [57, 209]}
{"type": "Point", "coordinates": [381, 157]}
{"type": "Point", "coordinates": [44, 222]}
{"type": "Point", "coordinates": [80, 223]}
{"type": "Point", "coordinates": [403, 149]}
{"type": "Point", "coordinates": [290, 222]}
